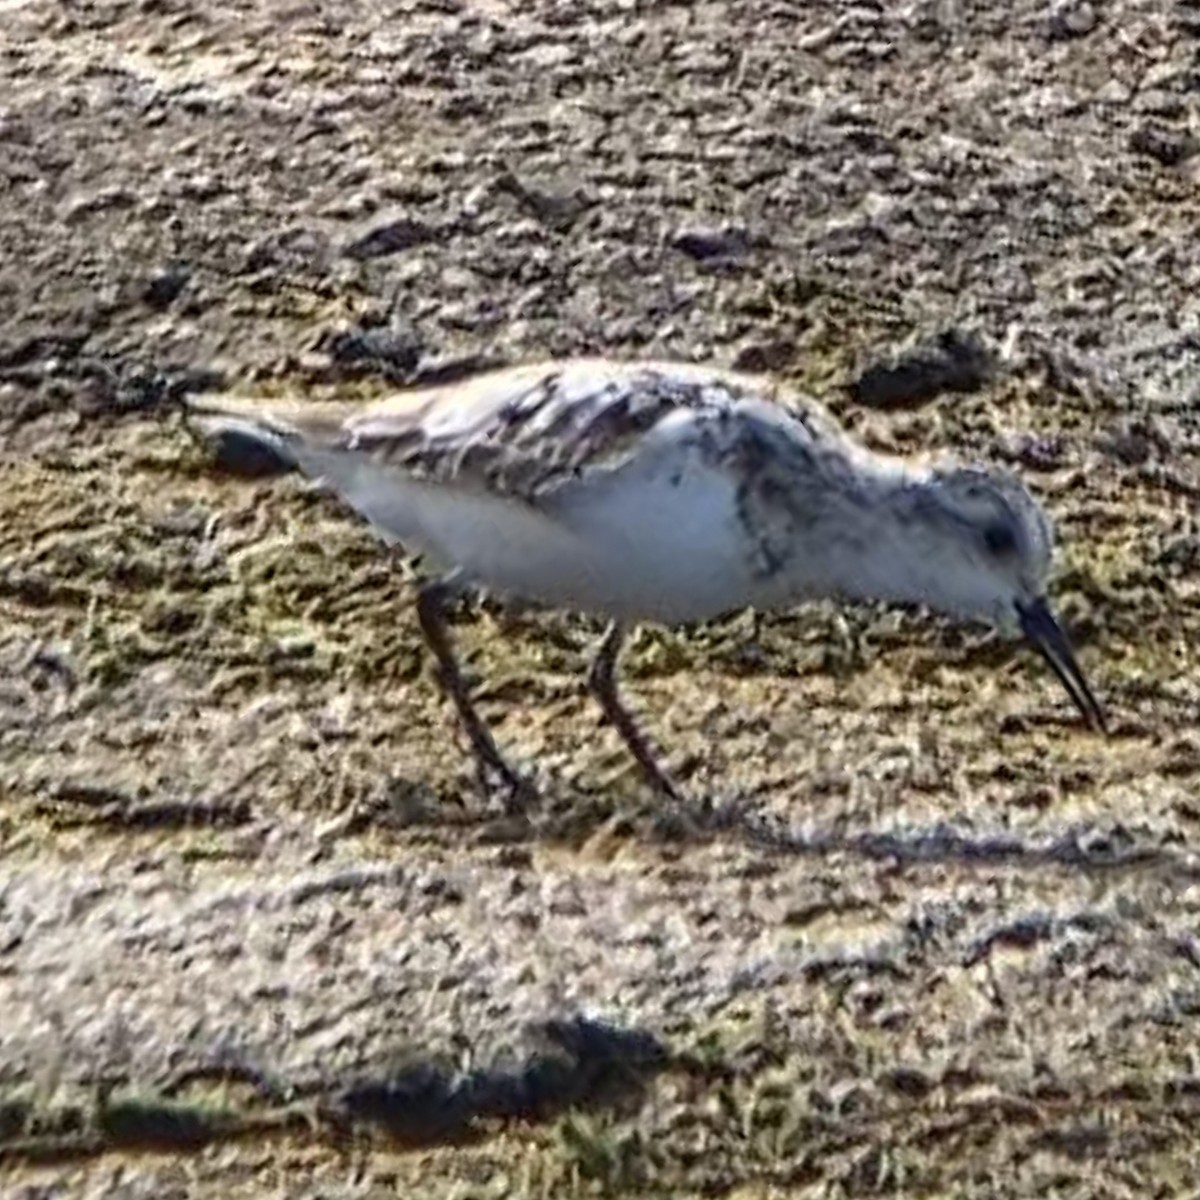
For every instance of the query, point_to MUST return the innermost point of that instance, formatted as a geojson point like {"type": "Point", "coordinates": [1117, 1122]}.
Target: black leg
{"type": "Point", "coordinates": [602, 683]}
{"type": "Point", "coordinates": [431, 612]}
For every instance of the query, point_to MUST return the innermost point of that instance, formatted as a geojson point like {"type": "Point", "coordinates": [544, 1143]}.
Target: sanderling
{"type": "Point", "coordinates": [658, 492]}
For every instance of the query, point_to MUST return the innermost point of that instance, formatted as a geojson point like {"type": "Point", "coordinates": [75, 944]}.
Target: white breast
{"type": "Point", "coordinates": [665, 540]}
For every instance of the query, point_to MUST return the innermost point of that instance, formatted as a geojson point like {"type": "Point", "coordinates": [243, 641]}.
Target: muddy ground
{"type": "Point", "coordinates": [260, 935]}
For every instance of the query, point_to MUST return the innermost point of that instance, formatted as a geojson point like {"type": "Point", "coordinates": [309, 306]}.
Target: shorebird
{"type": "Point", "coordinates": [657, 492]}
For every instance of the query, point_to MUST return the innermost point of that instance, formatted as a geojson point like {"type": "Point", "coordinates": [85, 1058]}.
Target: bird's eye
{"type": "Point", "coordinates": [1000, 538]}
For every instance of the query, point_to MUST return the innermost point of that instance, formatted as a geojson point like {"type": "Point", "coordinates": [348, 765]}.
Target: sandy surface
{"type": "Point", "coordinates": [259, 932]}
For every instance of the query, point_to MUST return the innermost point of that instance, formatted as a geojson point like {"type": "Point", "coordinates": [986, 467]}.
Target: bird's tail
{"type": "Point", "coordinates": [245, 437]}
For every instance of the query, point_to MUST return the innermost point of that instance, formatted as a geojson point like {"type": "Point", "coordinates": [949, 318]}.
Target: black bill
{"type": "Point", "coordinates": [1046, 636]}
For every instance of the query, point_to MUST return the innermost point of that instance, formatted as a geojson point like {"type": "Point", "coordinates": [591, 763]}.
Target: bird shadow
{"type": "Point", "coordinates": [1084, 848]}
{"type": "Point", "coordinates": [1081, 847]}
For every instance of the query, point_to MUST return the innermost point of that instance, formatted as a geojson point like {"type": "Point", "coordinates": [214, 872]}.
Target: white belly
{"type": "Point", "coordinates": [664, 551]}
{"type": "Point", "coordinates": [639, 547]}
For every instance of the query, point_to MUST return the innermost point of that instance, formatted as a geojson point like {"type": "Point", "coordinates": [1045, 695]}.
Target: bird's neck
{"type": "Point", "coordinates": [865, 544]}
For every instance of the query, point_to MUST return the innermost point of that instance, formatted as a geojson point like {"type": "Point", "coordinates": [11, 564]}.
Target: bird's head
{"type": "Point", "coordinates": [987, 547]}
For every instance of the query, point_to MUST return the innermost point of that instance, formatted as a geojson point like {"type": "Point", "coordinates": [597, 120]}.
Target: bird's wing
{"type": "Point", "coordinates": [524, 432]}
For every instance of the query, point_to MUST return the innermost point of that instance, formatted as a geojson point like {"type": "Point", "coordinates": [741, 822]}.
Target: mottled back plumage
{"type": "Point", "coordinates": [528, 431]}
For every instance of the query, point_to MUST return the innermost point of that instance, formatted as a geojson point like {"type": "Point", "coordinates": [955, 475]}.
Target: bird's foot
{"type": "Point", "coordinates": [685, 820]}
{"type": "Point", "coordinates": [518, 792]}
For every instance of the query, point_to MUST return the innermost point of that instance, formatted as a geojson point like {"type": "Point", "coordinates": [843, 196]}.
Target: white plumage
{"type": "Point", "coordinates": [660, 492]}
